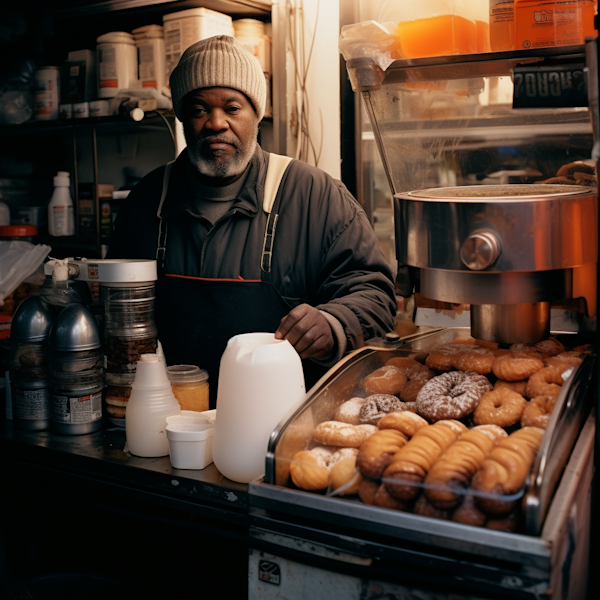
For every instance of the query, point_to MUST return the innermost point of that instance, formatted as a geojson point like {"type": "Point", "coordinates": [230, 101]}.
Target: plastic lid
{"type": "Point", "coordinates": [18, 230]}
{"type": "Point", "coordinates": [153, 31]}
{"type": "Point", "coordinates": [186, 374]}
{"type": "Point", "coordinates": [115, 37]}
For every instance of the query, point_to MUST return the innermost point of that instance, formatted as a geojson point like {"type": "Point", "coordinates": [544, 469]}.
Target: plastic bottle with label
{"type": "Point", "coordinates": [61, 220]}
{"type": "Point", "coordinates": [502, 25]}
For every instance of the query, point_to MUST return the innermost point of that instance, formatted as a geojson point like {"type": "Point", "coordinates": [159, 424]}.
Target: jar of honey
{"type": "Point", "coordinates": [190, 386]}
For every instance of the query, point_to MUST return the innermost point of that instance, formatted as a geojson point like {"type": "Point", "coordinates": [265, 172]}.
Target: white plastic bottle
{"type": "Point", "coordinates": [61, 220]}
{"type": "Point", "coordinates": [149, 405]}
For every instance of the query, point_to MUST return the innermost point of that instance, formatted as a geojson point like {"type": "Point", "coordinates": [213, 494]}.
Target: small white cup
{"type": "Point", "coordinates": [190, 445]}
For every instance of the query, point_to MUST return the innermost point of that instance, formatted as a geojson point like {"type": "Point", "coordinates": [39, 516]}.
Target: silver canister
{"type": "Point", "coordinates": [76, 372]}
{"type": "Point", "coordinates": [30, 328]}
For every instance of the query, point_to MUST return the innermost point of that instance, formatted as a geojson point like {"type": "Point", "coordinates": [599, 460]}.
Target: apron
{"type": "Point", "coordinates": [197, 316]}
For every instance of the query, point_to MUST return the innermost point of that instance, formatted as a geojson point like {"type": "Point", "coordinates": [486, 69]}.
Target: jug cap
{"type": "Point", "coordinates": [151, 373]}
{"type": "Point", "coordinates": [186, 374]}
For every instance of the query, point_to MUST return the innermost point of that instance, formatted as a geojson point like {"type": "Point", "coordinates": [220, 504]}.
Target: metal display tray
{"type": "Point", "coordinates": [342, 383]}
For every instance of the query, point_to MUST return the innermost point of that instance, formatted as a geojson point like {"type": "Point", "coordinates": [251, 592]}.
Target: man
{"type": "Point", "coordinates": [309, 268]}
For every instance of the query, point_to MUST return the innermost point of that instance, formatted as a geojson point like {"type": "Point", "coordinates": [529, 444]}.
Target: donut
{"type": "Point", "coordinates": [406, 422]}
{"type": "Point", "coordinates": [565, 360]}
{"type": "Point", "coordinates": [410, 391]}
{"type": "Point", "coordinates": [501, 406]}
{"type": "Point", "coordinates": [495, 432]}
{"type": "Point", "coordinates": [367, 490]}
{"type": "Point", "coordinates": [468, 513]}
{"type": "Point", "coordinates": [550, 346]}
{"type": "Point", "coordinates": [474, 360]}
{"type": "Point", "coordinates": [335, 433]}
{"type": "Point", "coordinates": [425, 508]}
{"type": "Point", "coordinates": [537, 412]}
{"type": "Point", "coordinates": [440, 358]}
{"type": "Point", "coordinates": [508, 523]}
{"type": "Point", "coordinates": [516, 366]}
{"type": "Point", "coordinates": [471, 341]}
{"type": "Point", "coordinates": [385, 380]}
{"type": "Point", "coordinates": [377, 406]}
{"type": "Point", "coordinates": [516, 386]}
{"type": "Point", "coordinates": [309, 469]}
{"type": "Point", "coordinates": [409, 366]}
{"type": "Point", "coordinates": [342, 472]}
{"type": "Point", "coordinates": [384, 499]}
{"type": "Point", "coordinates": [348, 411]}
{"type": "Point", "coordinates": [545, 382]}
{"type": "Point", "coordinates": [376, 453]}
{"type": "Point", "coordinates": [452, 395]}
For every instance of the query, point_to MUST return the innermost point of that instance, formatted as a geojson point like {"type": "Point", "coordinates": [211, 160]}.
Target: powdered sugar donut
{"type": "Point", "coordinates": [452, 395]}
{"type": "Point", "coordinates": [385, 380]}
{"type": "Point", "coordinates": [348, 412]}
{"type": "Point", "coordinates": [379, 405]}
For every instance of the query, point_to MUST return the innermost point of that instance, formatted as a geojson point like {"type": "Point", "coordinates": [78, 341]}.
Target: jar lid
{"type": "Point", "coordinates": [18, 230]}
{"type": "Point", "coordinates": [186, 374]}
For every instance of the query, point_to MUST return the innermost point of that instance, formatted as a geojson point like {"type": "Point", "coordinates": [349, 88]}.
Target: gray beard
{"type": "Point", "coordinates": [207, 166]}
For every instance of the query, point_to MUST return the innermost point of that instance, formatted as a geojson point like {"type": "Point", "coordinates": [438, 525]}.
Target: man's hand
{"type": "Point", "coordinates": [308, 331]}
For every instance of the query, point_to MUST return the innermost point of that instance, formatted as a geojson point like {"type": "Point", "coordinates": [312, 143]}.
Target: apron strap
{"type": "Point", "coordinates": [276, 169]}
{"type": "Point", "coordinates": [161, 246]}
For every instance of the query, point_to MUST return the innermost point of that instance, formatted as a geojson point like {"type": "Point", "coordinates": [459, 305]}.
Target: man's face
{"type": "Point", "coordinates": [220, 128]}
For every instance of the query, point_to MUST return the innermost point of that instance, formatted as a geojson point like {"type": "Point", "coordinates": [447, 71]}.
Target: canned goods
{"type": "Point", "coordinates": [46, 93]}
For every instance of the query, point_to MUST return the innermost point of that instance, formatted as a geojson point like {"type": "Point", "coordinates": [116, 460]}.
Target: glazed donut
{"type": "Point", "coordinates": [367, 490]}
{"type": "Point", "coordinates": [385, 380]}
{"type": "Point", "coordinates": [501, 406]}
{"type": "Point", "coordinates": [348, 412]}
{"type": "Point", "coordinates": [468, 513]}
{"type": "Point", "coordinates": [335, 433]}
{"type": "Point", "coordinates": [504, 471]}
{"type": "Point", "coordinates": [342, 472]}
{"type": "Point", "coordinates": [493, 431]}
{"type": "Point", "coordinates": [537, 412]}
{"type": "Point", "coordinates": [376, 453]}
{"type": "Point", "coordinates": [508, 523]}
{"type": "Point", "coordinates": [452, 395]}
{"type": "Point", "coordinates": [516, 386]}
{"type": "Point", "coordinates": [545, 382]}
{"type": "Point", "coordinates": [474, 360]}
{"type": "Point", "coordinates": [565, 360]}
{"type": "Point", "coordinates": [405, 422]}
{"type": "Point", "coordinates": [516, 366]}
{"type": "Point", "coordinates": [454, 469]}
{"type": "Point", "coordinates": [471, 341]}
{"type": "Point", "coordinates": [441, 357]}
{"type": "Point", "coordinates": [550, 346]}
{"type": "Point", "coordinates": [409, 366]}
{"type": "Point", "coordinates": [377, 406]}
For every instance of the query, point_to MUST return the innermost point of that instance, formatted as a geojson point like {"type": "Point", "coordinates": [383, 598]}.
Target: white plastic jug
{"type": "Point", "coordinates": [260, 381]}
{"type": "Point", "coordinates": [150, 403]}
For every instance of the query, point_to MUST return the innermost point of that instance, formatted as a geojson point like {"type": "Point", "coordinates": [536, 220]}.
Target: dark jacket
{"type": "Point", "coordinates": [325, 252]}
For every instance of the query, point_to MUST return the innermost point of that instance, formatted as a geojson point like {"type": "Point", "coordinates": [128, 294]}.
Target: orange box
{"type": "Point", "coordinates": [545, 24]}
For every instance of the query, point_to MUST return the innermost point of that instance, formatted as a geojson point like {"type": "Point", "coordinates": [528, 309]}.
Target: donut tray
{"type": "Point", "coordinates": [344, 382]}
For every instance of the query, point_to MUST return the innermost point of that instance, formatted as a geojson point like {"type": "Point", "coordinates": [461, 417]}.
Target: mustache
{"type": "Point", "coordinates": [216, 139]}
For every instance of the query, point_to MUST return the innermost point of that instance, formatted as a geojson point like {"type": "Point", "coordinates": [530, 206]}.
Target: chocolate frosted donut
{"type": "Point", "coordinates": [452, 395]}
{"type": "Point", "coordinates": [377, 406]}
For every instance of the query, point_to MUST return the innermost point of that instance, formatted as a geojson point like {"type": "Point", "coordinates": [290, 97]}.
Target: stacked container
{"type": "Point", "coordinates": [150, 43]}
{"type": "Point", "coordinates": [76, 373]}
{"type": "Point", "coordinates": [117, 63]}
{"type": "Point", "coordinates": [129, 332]}
{"type": "Point", "coordinates": [29, 364]}
{"type": "Point", "coordinates": [186, 27]}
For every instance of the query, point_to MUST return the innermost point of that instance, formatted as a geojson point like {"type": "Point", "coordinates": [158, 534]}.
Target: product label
{"type": "Point", "coordinates": [550, 87]}
{"type": "Point", "coordinates": [33, 405]}
{"type": "Point", "coordinates": [76, 410]}
{"type": "Point", "coordinates": [269, 572]}
{"type": "Point", "coordinates": [62, 219]}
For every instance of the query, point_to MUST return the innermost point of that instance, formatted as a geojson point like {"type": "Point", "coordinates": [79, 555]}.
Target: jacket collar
{"type": "Point", "coordinates": [179, 195]}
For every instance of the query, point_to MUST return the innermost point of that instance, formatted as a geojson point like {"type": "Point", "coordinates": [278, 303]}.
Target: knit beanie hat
{"type": "Point", "coordinates": [218, 61]}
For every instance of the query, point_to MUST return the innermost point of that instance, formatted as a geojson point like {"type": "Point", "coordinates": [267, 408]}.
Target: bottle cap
{"type": "Point", "coordinates": [62, 179]}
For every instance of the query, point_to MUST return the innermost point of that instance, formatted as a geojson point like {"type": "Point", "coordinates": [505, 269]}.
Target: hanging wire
{"type": "Point", "coordinates": [305, 147]}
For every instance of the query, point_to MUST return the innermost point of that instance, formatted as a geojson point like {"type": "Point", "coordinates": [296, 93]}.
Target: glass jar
{"type": "Point", "coordinates": [129, 328]}
{"type": "Point", "coordinates": [76, 383]}
{"type": "Point", "coordinates": [190, 386]}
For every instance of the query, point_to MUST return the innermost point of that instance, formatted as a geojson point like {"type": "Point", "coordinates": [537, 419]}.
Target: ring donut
{"type": "Point", "coordinates": [335, 433]}
{"type": "Point", "coordinates": [537, 412]}
{"type": "Point", "coordinates": [388, 379]}
{"type": "Point", "coordinates": [516, 366]}
{"type": "Point", "coordinates": [501, 406]}
{"type": "Point", "coordinates": [379, 405]}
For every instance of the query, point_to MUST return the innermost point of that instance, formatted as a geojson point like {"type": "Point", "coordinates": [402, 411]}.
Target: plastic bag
{"type": "Point", "coordinates": [18, 260]}
{"type": "Point", "coordinates": [369, 39]}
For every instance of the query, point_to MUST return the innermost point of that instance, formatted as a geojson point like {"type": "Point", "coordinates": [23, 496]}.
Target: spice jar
{"type": "Point", "coordinates": [190, 386]}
